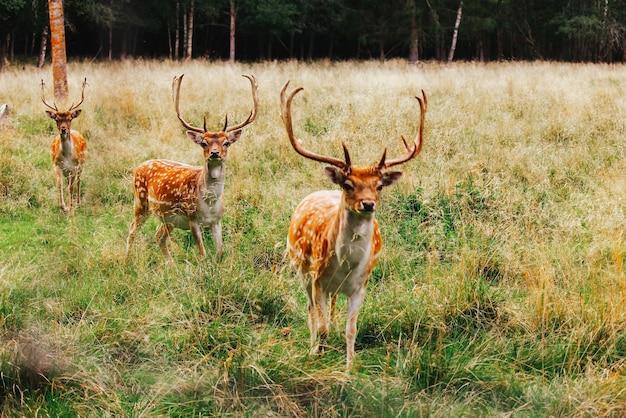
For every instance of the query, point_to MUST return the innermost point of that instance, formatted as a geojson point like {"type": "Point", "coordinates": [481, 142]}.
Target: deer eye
{"type": "Point", "coordinates": [203, 144]}
{"type": "Point", "coordinates": [226, 144]}
{"type": "Point", "coordinates": [379, 187]}
{"type": "Point", "coordinates": [348, 187]}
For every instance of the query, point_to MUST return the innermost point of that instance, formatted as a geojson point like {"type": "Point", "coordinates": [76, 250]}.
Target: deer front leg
{"type": "Point", "coordinates": [196, 231]}
{"type": "Point", "coordinates": [78, 182]}
{"type": "Point", "coordinates": [333, 304]}
{"type": "Point", "coordinates": [59, 175]}
{"type": "Point", "coordinates": [216, 229]}
{"type": "Point", "coordinates": [70, 188]}
{"type": "Point", "coordinates": [162, 235]}
{"type": "Point", "coordinates": [354, 305]}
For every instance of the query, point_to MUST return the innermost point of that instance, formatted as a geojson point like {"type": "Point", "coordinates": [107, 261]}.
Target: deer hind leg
{"type": "Point", "coordinates": [162, 234]}
{"type": "Point", "coordinates": [317, 318]}
{"type": "Point", "coordinates": [354, 305]}
{"type": "Point", "coordinates": [141, 215]}
{"type": "Point", "coordinates": [312, 321]}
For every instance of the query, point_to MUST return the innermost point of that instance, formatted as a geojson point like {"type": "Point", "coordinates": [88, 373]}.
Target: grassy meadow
{"type": "Point", "coordinates": [501, 289]}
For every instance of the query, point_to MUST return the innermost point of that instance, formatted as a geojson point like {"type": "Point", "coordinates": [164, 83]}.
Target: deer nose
{"type": "Point", "coordinates": [368, 205]}
{"type": "Point", "coordinates": [215, 155]}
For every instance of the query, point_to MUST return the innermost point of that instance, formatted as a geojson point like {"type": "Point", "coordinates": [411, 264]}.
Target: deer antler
{"type": "Point", "coordinates": [252, 116]}
{"type": "Point", "coordinates": [285, 114]}
{"type": "Point", "coordinates": [43, 97]}
{"type": "Point", "coordinates": [417, 144]}
{"type": "Point", "coordinates": [176, 97]}
{"type": "Point", "coordinates": [82, 97]}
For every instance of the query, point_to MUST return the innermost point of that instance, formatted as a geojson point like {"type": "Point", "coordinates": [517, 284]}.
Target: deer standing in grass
{"type": "Point", "coordinates": [334, 240]}
{"type": "Point", "coordinates": [68, 150]}
{"type": "Point", "coordinates": [184, 196]}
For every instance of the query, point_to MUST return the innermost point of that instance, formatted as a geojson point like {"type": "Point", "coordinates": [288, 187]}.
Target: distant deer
{"type": "Point", "coordinates": [68, 150]}
{"type": "Point", "coordinates": [334, 240]}
{"type": "Point", "coordinates": [184, 196]}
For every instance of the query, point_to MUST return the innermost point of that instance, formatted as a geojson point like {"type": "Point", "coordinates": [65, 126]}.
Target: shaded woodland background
{"type": "Point", "coordinates": [258, 30]}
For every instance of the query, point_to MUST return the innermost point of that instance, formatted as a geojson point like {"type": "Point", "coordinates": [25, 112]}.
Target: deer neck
{"type": "Point", "coordinates": [354, 232]}
{"type": "Point", "coordinates": [67, 146]}
{"type": "Point", "coordinates": [212, 179]}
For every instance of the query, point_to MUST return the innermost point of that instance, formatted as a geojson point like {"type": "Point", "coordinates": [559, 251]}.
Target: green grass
{"type": "Point", "coordinates": [500, 290]}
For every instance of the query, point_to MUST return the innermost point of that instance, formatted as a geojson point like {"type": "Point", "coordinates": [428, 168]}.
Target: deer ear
{"type": "Point", "coordinates": [391, 177]}
{"type": "Point", "coordinates": [51, 115]}
{"type": "Point", "coordinates": [335, 174]}
{"type": "Point", "coordinates": [195, 137]}
{"type": "Point", "coordinates": [76, 113]}
{"type": "Point", "coordinates": [234, 136]}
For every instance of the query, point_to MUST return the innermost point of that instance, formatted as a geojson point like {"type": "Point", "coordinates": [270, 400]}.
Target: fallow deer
{"type": "Point", "coordinates": [334, 239]}
{"type": "Point", "coordinates": [184, 196]}
{"type": "Point", "coordinates": [68, 150]}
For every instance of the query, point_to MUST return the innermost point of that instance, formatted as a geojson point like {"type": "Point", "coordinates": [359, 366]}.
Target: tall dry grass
{"type": "Point", "coordinates": [500, 290]}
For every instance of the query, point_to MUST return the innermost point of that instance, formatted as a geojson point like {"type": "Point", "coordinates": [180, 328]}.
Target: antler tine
{"type": "Point", "coordinates": [82, 97]}
{"type": "Point", "coordinates": [285, 114]}
{"type": "Point", "coordinates": [417, 144]}
{"type": "Point", "coordinates": [43, 97]}
{"type": "Point", "coordinates": [255, 98]}
{"type": "Point", "coordinates": [176, 97]}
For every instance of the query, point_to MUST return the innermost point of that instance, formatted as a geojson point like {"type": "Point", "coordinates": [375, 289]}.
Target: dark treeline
{"type": "Point", "coordinates": [481, 30]}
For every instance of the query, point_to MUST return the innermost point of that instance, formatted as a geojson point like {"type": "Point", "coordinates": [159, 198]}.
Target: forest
{"type": "Point", "coordinates": [261, 30]}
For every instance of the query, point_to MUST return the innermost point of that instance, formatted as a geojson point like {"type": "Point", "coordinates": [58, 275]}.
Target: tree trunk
{"type": "Point", "coordinates": [43, 47]}
{"type": "Point", "coordinates": [233, 19]}
{"type": "Point", "coordinates": [169, 42]}
{"type": "Point", "coordinates": [185, 28]}
{"type": "Point", "coordinates": [177, 32]}
{"type": "Point", "coordinates": [459, 12]}
{"type": "Point", "coordinates": [414, 34]}
{"type": "Point", "coordinates": [309, 56]}
{"type": "Point", "coordinates": [189, 40]}
{"type": "Point", "coordinates": [110, 55]}
{"type": "Point", "coordinates": [3, 53]}
{"type": "Point", "coordinates": [57, 47]}
{"type": "Point", "coordinates": [12, 46]}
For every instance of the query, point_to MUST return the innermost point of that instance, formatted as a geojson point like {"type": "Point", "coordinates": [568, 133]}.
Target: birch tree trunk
{"type": "Point", "coordinates": [43, 47]}
{"type": "Point", "coordinates": [459, 12]}
{"type": "Point", "coordinates": [110, 56]}
{"type": "Point", "coordinates": [414, 34]}
{"type": "Point", "coordinates": [177, 32]}
{"type": "Point", "coordinates": [233, 18]}
{"type": "Point", "coordinates": [189, 41]}
{"type": "Point", "coordinates": [57, 48]}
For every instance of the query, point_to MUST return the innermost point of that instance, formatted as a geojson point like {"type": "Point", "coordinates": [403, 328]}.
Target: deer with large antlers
{"type": "Point", "coordinates": [334, 239]}
{"type": "Point", "coordinates": [184, 196]}
{"type": "Point", "coordinates": [68, 149]}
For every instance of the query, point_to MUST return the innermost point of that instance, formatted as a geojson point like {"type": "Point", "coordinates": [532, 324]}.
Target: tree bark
{"type": "Point", "coordinates": [189, 40]}
{"type": "Point", "coordinates": [3, 53]}
{"type": "Point", "coordinates": [110, 55]}
{"type": "Point", "coordinates": [177, 32]}
{"type": "Point", "coordinates": [233, 19]}
{"type": "Point", "coordinates": [459, 12]}
{"type": "Point", "coordinates": [57, 47]}
{"type": "Point", "coordinates": [43, 47]}
{"type": "Point", "coordinates": [414, 34]}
